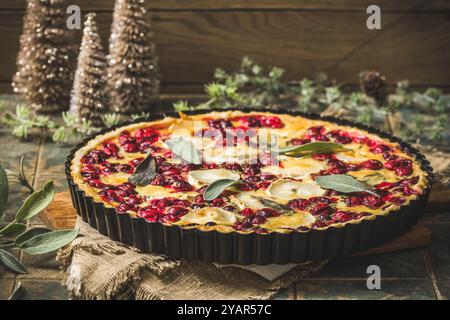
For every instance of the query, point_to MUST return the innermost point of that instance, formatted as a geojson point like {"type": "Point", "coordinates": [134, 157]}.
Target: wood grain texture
{"type": "Point", "coordinates": [60, 214]}
{"type": "Point", "coordinates": [155, 5]}
{"type": "Point", "coordinates": [191, 45]}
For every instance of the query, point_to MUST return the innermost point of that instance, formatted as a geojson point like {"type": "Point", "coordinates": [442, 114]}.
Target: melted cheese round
{"type": "Point", "coordinates": [289, 189]}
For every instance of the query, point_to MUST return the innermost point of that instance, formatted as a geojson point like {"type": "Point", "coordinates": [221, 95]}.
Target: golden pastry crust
{"type": "Point", "coordinates": [397, 187]}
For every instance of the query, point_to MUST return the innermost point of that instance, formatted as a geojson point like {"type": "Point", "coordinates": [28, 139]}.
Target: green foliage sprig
{"type": "Point", "coordinates": [415, 116]}
{"type": "Point", "coordinates": [14, 235]}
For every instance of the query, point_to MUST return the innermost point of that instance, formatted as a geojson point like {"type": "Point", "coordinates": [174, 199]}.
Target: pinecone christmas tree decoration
{"type": "Point", "coordinates": [133, 76]}
{"type": "Point", "coordinates": [44, 75]}
{"type": "Point", "coordinates": [88, 99]}
{"type": "Point", "coordinates": [373, 84]}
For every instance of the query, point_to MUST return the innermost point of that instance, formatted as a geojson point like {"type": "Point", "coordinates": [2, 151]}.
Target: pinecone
{"type": "Point", "coordinates": [373, 84]}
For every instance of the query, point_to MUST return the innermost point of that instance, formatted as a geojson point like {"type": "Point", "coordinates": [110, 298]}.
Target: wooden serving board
{"type": "Point", "coordinates": [60, 214]}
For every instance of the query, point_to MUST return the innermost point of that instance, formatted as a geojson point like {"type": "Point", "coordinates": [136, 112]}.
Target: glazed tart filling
{"type": "Point", "coordinates": [247, 172]}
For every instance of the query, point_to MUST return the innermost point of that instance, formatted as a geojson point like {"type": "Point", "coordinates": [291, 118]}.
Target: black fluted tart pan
{"type": "Point", "coordinates": [250, 248]}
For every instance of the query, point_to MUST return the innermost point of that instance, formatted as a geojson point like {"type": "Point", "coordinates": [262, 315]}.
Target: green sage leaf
{"type": "Point", "coordinates": [13, 228]}
{"type": "Point", "coordinates": [11, 262]}
{"type": "Point", "coordinates": [184, 149]}
{"type": "Point", "coordinates": [48, 242]}
{"type": "Point", "coordinates": [344, 183]}
{"type": "Point", "coordinates": [4, 190]}
{"type": "Point", "coordinates": [144, 172]}
{"type": "Point", "coordinates": [36, 202]}
{"type": "Point", "coordinates": [18, 292]}
{"type": "Point", "coordinates": [311, 148]}
{"type": "Point", "coordinates": [275, 205]}
{"type": "Point", "coordinates": [216, 188]}
{"type": "Point", "coordinates": [27, 235]}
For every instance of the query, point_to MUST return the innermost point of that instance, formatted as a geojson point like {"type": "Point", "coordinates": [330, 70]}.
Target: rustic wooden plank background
{"type": "Point", "coordinates": [304, 37]}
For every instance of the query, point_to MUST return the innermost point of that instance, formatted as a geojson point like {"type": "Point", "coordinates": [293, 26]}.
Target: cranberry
{"type": "Point", "coordinates": [172, 172]}
{"type": "Point", "coordinates": [130, 147]}
{"type": "Point", "coordinates": [90, 176]}
{"type": "Point", "coordinates": [353, 201]}
{"type": "Point", "coordinates": [244, 224]}
{"type": "Point", "coordinates": [322, 156]}
{"type": "Point", "coordinates": [359, 138]}
{"type": "Point", "coordinates": [300, 204]}
{"type": "Point", "coordinates": [148, 133]}
{"type": "Point", "coordinates": [124, 136]}
{"type": "Point", "coordinates": [199, 199]}
{"type": "Point", "coordinates": [320, 200]}
{"type": "Point", "coordinates": [353, 167]}
{"type": "Point", "coordinates": [343, 139]}
{"type": "Point", "coordinates": [272, 122]}
{"type": "Point", "coordinates": [144, 146]}
{"type": "Point", "coordinates": [95, 183]}
{"type": "Point", "coordinates": [403, 171]}
{"type": "Point", "coordinates": [330, 193]}
{"type": "Point", "coordinates": [220, 123]}
{"type": "Point", "coordinates": [168, 218]}
{"type": "Point", "coordinates": [321, 209]}
{"type": "Point", "coordinates": [135, 162]}
{"type": "Point", "coordinates": [380, 148]}
{"type": "Point", "coordinates": [258, 219]}
{"type": "Point", "coordinates": [297, 141]}
{"type": "Point", "coordinates": [267, 213]}
{"type": "Point", "coordinates": [88, 168]}
{"type": "Point", "coordinates": [396, 200]}
{"type": "Point", "coordinates": [123, 167]}
{"type": "Point", "coordinates": [259, 230]}
{"type": "Point", "coordinates": [110, 149]}
{"type": "Point", "coordinates": [342, 216]}
{"type": "Point", "coordinates": [252, 169]}
{"type": "Point", "coordinates": [384, 185]}
{"type": "Point", "coordinates": [251, 121]}
{"type": "Point", "coordinates": [338, 170]}
{"type": "Point", "coordinates": [126, 186]}
{"type": "Point", "coordinates": [219, 202]}
{"type": "Point", "coordinates": [177, 211]}
{"type": "Point", "coordinates": [316, 130]}
{"type": "Point", "coordinates": [267, 177]}
{"type": "Point", "coordinates": [390, 164]}
{"type": "Point", "coordinates": [319, 138]}
{"type": "Point", "coordinates": [372, 164]}
{"type": "Point", "coordinates": [389, 156]}
{"type": "Point", "coordinates": [407, 191]}
{"type": "Point", "coordinates": [303, 229]}
{"type": "Point", "coordinates": [198, 205]}
{"type": "Point", "coordinates": [233, 166]}
{"type": "Point", "coordinates": [124, 207]}
{"type": "Point", "coordinates": [132, 199]}
{"type": "Point", "coordinates": [247, 212]}
{"type": "Point", "coordinates": [97, 156]}
{"type": "Point", "coordinates": [372, 201]}
{"type": "Point", "coordinates": [230, 208]}
{"type": "Point", "coordinates": [182, 185]}
{"type": "Point", "coordinates": [246, 186]}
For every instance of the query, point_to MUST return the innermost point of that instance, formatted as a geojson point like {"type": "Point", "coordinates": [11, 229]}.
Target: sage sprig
{"type": "Point", "coordinates": [344, 183]}
{"type": "Point", "coordinates": [311, 148]}
{"type": "Point", "coordinates": [34, 240]}
{"type": "Point", "coordinates": [184, 149]}
{"type": "Point", "coordinates": [144, 172]}
{"type": "Point", "coordinates": [216, 188]}
{"type": "Point", "coordinates": [282, 208]}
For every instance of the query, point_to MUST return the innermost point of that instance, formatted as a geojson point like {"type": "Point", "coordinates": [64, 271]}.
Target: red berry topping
{"type": "Point", "coordinates": [403, 171]}
{"type": "Point", "coordinates": [342, 216]}
{"type": "Point", "coordinates": [372, 164]}
{"type": "Point", "coordinates": [299, 204]}
{"type": "Point", "coordinates": [247, 212]}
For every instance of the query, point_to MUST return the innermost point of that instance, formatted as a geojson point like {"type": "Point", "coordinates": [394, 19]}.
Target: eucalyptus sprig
{"type": "Point", "coordinates": [13, 235]}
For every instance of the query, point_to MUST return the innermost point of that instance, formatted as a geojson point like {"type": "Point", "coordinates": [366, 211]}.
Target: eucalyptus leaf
{"type": "Point", "coordinates": [311, 148]}
{"type": "Point", "coordinates": [144, 172]}
{"type": "Point", "coordinates": [48, 242]}
{"type": "Point", "coordinates": [13, 228]}
{"type": "Point", "coordinates": [11, 262]}
{"type": "Point", "coordinates": [216, 188]}
{"type": "Point", "coordinates": [344, 183]}
{"type": "Point", "coordinates": [184, 149]}
{"type": "Point", "coordinates": [18, 292]}
{"type": "Point", "coordinates": [36, 202]}
{"type": "Point", "coordinates": [27, 235]}
{"type": "Point", "coordinates": [4, 190]}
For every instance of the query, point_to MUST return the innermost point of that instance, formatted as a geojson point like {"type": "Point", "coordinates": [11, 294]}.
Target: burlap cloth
{"type": "Point", "coordinates": [99, 268]}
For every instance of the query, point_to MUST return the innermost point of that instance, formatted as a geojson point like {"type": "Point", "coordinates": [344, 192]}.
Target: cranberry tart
{"type": "Point", "coordinates": [248, 187]}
